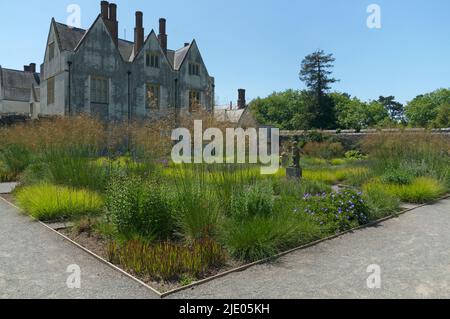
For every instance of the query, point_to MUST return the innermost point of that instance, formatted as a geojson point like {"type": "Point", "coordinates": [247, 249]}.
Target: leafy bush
{"type": "Point", "coordinates": [5, 174]}
{"type": "Point", "coordinates": [196, 207]}
{"type": "Point", "coordinates": [397, 176]}
{"type": "Point", "coordinates": [54, 203]}
{"type": "Point", "coordinates": [336, 212]}
{"type": "Point", "coordinates": [14, 158]}
{"type": "Point", "coordinates": [256, 200]}
{"type": "Point", "coordinates": [260, 237]}
{"type": "Point", "coordinates": [138, 207]}
{"type": "Point", "coordinates": [354, 155]}
{"type": "Point", "coordinates": [326, 150]}
{"type": "Point", "coordinates": [36, 174]}
{"type": "Point", "coordinates": [166, 261]}
{"type": "Point", "coordinates": [421, 190]}
{"type": "Point", "coordinates": [380, 201]}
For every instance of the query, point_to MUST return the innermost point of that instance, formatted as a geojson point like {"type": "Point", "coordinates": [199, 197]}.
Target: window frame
{"type": "Point", "coordinates": [194, 69]}
{"type": "Point", "coordinates": [198, 98]}
{"type": "Point", "coordinates": [51, 51]}
{"type": "Point", "coordinates": [150, 106]}
{"type": "Point", "coordinates": [99, 94]}
{"type": "Point", "coordinates": [152, 60]}
{"type": "Point", "coordinates": [51, 91]}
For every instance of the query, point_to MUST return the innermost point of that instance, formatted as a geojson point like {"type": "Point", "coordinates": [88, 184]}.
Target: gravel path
{"type": "Point", "coordinates": [34, 261]}
{"type": "Point", "coordinates": [412, 251]}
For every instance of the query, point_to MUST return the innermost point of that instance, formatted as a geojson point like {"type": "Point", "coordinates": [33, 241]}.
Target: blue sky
{"type": "Point", "coordinates": [259, 45]}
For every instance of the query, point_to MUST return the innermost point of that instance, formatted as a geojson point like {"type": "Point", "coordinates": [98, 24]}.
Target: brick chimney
{"type": "Point", "coordinates": [138, 32]}
{"type": "Point", "coordinates": [162, 35]}
{"type": "Point", "coordinates": [113, 22]}
{"type": "Point", "coordinates": [242, 103]}
{"type": "Point", "coordinates": [109, 15]}
{"type": "Point", "coordinates": [105, 9]}
{"type": "Point", "coordinates": [30, 68]}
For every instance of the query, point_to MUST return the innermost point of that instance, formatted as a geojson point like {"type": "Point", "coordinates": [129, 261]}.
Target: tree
{"type": "Point", "coordinates": [286, 110]}
{"type": "Point", "coordinates": [394, 108]}
{"type": "Point", "coordinates": [316, 72]}
{"type": "Point", "coordinates": [423, 110]}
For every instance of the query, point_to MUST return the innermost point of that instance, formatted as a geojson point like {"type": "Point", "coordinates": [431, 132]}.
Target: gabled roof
{"type": "Point", "coordinates": [227, 115]}
{"type": "Point", "coordinates": [179, 57]}
{"type": "Point", "coordinates": [17, 85]}
{"type": "Point", "coordinates": [70, 38]}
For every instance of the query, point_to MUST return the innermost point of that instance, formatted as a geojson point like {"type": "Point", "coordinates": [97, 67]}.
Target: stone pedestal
{"type": "Point", "coordinates": [294, 172]}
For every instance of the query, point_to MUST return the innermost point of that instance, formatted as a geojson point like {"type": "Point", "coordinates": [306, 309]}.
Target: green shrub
{"type": "Point", "coordinates": [397, 176]}
{"type": "Point", "coordinates": [75, 168]}
{"type": "Point", "coordinates": [197, 207]}
{"type": "Point", "coordinates": [166, 261]}
{"type": "Point", "coordinates": [260, 237]}
{"type": "Point", "coordinates": [336, 212]}
{"type": "Point", "coordinates": [15, 159]}
{"type": "Point", "coordinates": [36, 174]}
{"type": "Point", "coordinates": [255, 200]}
{"type": "Point", "coordinates": [54, 203]}
{"type": "Point", "coordinates": [355, 155]}
{"type": "Point", "coordinates": [141, 208]}
{"type": "Point", "coordinates": [380, 201]}
{"type": "Point", "coordinates": [5, 174]}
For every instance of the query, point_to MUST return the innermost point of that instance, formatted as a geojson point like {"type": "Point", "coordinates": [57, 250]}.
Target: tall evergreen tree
{"type": "Point", "coordinates": [395, 109]}
{"type": "Point", "coordinates": [316, 72]}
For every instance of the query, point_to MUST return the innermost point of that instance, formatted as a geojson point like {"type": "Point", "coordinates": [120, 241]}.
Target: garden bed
{"type": "Point", "coordinates": [172, 225]}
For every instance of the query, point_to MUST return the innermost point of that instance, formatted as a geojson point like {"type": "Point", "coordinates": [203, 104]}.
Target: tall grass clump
{"type": "Point", "coordinates": [260, 237]}
{"type": "Point", "coordinates": [140, 208]}
{"type": "Point", "coordinates": [420, 190]}
{"type": "Point", "coordinates": [380, 201]}
{"type": "Point", "coordinates": [55, 203]}
{"type": "Point", "coordinates": [196, 206]}
{"type": "Point", "coordinates": [421, 154]}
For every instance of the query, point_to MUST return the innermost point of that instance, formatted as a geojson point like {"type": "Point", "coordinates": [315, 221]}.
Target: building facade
{"type": "Point", "coordinates": [94, 72]}
{"type": "Point", "coordinates": [19, 92]}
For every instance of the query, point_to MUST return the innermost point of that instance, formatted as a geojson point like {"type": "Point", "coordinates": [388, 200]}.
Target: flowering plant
{"type": "Point", "coordinates": [336, 212]}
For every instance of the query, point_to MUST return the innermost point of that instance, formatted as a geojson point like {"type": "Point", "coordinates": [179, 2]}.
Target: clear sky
{"type": "Point", "coordinates": [259, 45]}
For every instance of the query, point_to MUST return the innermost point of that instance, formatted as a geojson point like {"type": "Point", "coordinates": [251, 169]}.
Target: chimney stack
{"type": "Point", "coordinates": [186, 44]}
{"type": "Point", "coordinates": [114, 25]}
{"type": "Point", "coordinates": [104, 9]}
{"type": "Point", "coordinates": [138, 32]}
{"type": "Point", "coordinates": [30, 68]}
{"type": "Point", "coordinates": [162, 35]}
{"type": "Point", "coordinates": [242, 104]}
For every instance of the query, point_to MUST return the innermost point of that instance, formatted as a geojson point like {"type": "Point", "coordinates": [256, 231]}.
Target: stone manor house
{"type": "Point", "coordinates": [95, 72]}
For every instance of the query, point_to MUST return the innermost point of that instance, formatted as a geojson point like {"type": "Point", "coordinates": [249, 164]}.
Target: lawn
{"type": "Point", "coordinates": [173, 224]}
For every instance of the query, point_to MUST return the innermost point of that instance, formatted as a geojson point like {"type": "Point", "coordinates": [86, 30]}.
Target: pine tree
{"type": "Point", "coordinates": [316, 72]}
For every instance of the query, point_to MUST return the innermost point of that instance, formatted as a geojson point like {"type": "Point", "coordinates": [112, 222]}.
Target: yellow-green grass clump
{"type": "Point", "coordinates": [333, 176]}
{"type": "Point", "coordinates": [421, 190]}
{"type": "Point", "coordinates": [55, 203]}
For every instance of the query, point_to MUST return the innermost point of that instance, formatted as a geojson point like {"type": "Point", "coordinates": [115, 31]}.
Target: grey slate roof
{"type": "Point", "coordinates": [70, 38]}
{"type": "Point", "coordinates": [17, 85]}
{"type": "Point", "coordinates": [180, 55]}
{"type": "Point", "coordinates": [227, 115]}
